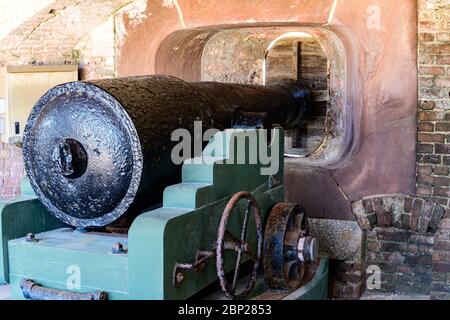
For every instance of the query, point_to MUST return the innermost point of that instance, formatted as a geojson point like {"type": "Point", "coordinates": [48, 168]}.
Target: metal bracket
{"type": "Point", "coordinates": [198, 266]}
{"type": "Point", "coordinates": [33, 291]}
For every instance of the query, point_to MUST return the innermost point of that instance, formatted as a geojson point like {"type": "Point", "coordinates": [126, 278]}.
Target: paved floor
{"type": "Point", "coordinates": [393, 297]}
{"type": "Point", "coordinates": [4, 293]}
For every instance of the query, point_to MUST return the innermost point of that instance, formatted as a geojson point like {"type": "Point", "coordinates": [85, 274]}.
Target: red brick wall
{"type": "Point", "coordinates": [11, 170]}
{"type": "Point", "coordinates": [434, 101]}
{"type": "Point", "coordinates": [404, 258]}
{"type": "Point", "coordinates": [407, 238]}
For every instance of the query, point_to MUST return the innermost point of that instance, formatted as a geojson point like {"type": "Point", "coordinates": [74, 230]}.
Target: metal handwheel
{"type": "Point", "coordinates": [287, 247]}
{"type": "Point", "coordinates": [227, 241]}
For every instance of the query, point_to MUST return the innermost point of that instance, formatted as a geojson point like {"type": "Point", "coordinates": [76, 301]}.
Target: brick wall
{"type": "Point", "coordinates": [441, 260]}
{"type": "Point", "coordinates": [51, 35]}
{"type": "Point", "coordinates": [434, 100]}
{"type": "Point", "coordinates": [347, 279]}
{"type": "Point", "coordinates": [407, 238]}
{"type": "Point", "coordinates": [404, 258]}
{"type": "Point", "coordinates": [96, 52]}
{"type": "Point", "coordinates": [56, 32]}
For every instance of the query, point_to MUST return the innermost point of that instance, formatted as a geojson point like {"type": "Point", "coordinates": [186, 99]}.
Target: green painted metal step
{"type": "Point", "coordinates": [187, 195]}
{"type": "Point", "coordinates": [200, 170]}
{"type": "Point", "coordinates": [200, 175]}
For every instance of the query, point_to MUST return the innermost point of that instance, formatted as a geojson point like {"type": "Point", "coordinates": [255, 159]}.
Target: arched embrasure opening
{"type": "Point", "coordinates": [298, 56]}
{"type": "Point", "coordinates": [259, 55]}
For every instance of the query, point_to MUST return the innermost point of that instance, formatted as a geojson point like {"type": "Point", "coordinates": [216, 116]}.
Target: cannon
{"type": "Point", "coordinates": [96, 151]}
{"type": "Point", "coordinates": [99, 152]}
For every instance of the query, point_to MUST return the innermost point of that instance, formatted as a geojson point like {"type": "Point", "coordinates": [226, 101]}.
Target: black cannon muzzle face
{"type": "Point", "coordinates": [82, 155]}
{"type": "Point", "coordinates": [71, 158]}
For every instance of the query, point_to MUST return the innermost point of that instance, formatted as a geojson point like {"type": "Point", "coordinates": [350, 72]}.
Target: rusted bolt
{"type": "Point", "coordinates": [118, 248]}
{"type": "Point", "coordinates": [245, 247]}
{"type": "Point", "coordinates": [179, 277]}
{"type": "Point", "coordinates": [31, 237]}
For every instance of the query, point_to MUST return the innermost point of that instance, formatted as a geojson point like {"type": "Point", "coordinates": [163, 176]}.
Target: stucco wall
{"type": "Point", "coordinates": [380, 40]}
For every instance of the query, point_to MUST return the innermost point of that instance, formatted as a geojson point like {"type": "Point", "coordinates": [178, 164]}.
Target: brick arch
{"type": "Point", "coordinates": [400, 211]}
{"type": "Point", "coordinates": [51, 34]}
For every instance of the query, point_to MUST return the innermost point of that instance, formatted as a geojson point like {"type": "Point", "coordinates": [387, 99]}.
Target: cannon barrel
{"type": "Point", "coordinates": [96, 151]}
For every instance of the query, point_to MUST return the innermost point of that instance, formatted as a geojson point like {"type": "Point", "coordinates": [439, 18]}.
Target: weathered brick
{"type": "Point", "coordinates": [408, 205]}
{"type": "Point", "coordinates": [441, 48]}
{"type": "Point", "coordinates": [442, 245]}
{"type": "Point", "coordinates": [404, 269]}
{"type": "Point", "coordinates": [438, 213]}
{"type": "Point", "coordinates": [443, 201]}
{"type": "Point", "coordinates": [393, 235]}
{"type": "Point", "coordinates": [423, 269]}
{"type": "Point", "coordinates": [424, 191]}
{"type": "Point", "coordinates": [419, 259]}
{"type": "Point", "coordinates": [432, 71]}
{"type": "Point", "coordinates": [430, 25]}
{"type": "Point", "coordinates": [427, 81]}
{"type": "Point", "coordinates": [441, 287]}
{"type": "Point", "coordinates": [431, 159]}
{"type": "Point", "coordinates": [442, 126]}
{"type": "Point", "coordinates": [406, 221]}
{"type": "Point", "coordinates": [443, 60]}
{"type": "Point", "coordinates": [411, 248]}
{"type": "Point", "coordinates": [446, 160]}
{"type": "Point", "coordinates": [443, 82]}
{"type": "Point", "coordinates": [440, 36]}
{"type": "Point", "coordinates": [428, 116]}
{"type": "Point", "coordinates": [445, 223]}
{"type": "Point", "coordinates": [388, 219]}
{"type": "Point", "coordinates": [374, 245]}
{"type": "Point", "coordinates": [441, 181]}
{"type": "Point", "coordinates": [441, 256]}
{"type": "Point", "coordinates": [420, 239]}
{"type": "Point", "coordinates": [425, 180]}
{"type": "Point", "coordinates": [438, 276]}
{"type": "Point", "coordinates": [435, 295]}
{"type": "Point", "coordinates": [423, 225]}
{"type": "Point", "coordinates": [367, 204]}
{"type": "Point", "coordinates": [416, 212]}
{"type": "Point", "coordinates": [396, 257]}
{"type": "Point", "coordinates": [441, 267]}
{"type": "Point", "coordinates": [362, 217]}
{"type": "Point", "coordinates": [431, 137]}
{"type": "Point", "coordinates": [441, 192]}
{"type": "Point", "coordinates": [427, 104]}
{"type": "Point", "coordinates": [443, 104]}
{"type": "Point", "coordinates": [425, 148]}
{"type": "Point", "coordinates": [379, 211]}
{"type": "Point", "coordinates": [426, 37]}
{"type": "Point", "coordinates": [441, 171]}
{"type": "Point", "coordinates": [372, 218]}
{"type": "Point", "coordinates": [426, 127]}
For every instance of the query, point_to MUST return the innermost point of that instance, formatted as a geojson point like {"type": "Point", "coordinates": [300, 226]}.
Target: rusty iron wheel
{"type": "Point", "coordinates": [227, 241]}
{"type": "Point", "coordinates": [286, 224]}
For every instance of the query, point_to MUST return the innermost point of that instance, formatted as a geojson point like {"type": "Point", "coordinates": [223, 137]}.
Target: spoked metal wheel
{"type": "Point", "coordinates": [287, 247]}
{"type": "Point", "coordinates": [227, 241]}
